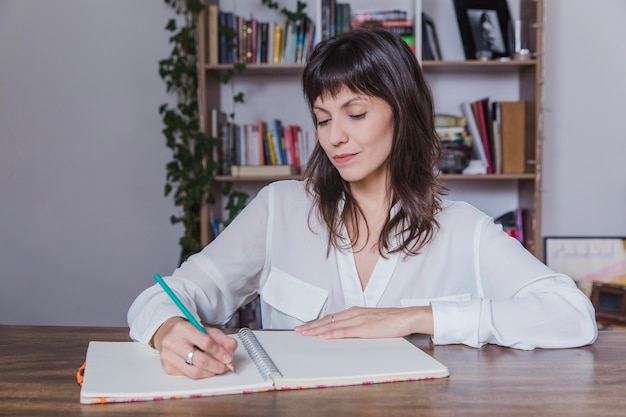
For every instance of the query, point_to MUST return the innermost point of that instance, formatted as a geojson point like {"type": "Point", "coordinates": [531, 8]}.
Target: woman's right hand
{"type": "Point", "coordinates": [177, 338]}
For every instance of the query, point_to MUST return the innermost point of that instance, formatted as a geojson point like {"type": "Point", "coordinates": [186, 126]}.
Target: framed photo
{"type": "Point", "coordinates": [430, 43]}
{"type": "Point", "coordinates": [587, 259]}
{"type": "Point", "coordinates": [484, 27]}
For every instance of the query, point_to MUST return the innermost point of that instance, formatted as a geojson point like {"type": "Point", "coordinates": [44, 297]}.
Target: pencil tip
{"type": "Point", "coordinates": [231, 367]}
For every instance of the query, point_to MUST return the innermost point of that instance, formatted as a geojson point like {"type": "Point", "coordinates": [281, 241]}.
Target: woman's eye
{"type": "Point", "coordinates": [358, 116]}
{"type": "Point", "coordinates": [323, 122]}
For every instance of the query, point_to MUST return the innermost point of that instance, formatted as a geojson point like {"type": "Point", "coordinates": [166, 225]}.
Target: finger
{"type": "Point", "coordinates": [330, 321]}
{"type": "Point", "coordinates": [323, 325]}
{"type": "Point", "coordinates": [217, 345]}
{"type": "Point", "coordinates": [204, 365]}
{"type": "Point", "coordinates": [191, 361]}
{"type": "Point", "coordinates": [227, 342]}
{"type": "Point", "coordinates": [209, 356]}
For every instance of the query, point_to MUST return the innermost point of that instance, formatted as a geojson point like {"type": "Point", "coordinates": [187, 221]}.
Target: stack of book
{"type": "Point", "coordinates": [261, 148]}
{"type": "Point", "coordinates": [498, 129]}
{"type": "Point", "coordinates": [394, 20]}
{"type": "Point", "coordinates": [456, 143]}
{"type": "Point", "coordinates": [334, 18]}
{"type": "Point", "coordinates": [233, 39]}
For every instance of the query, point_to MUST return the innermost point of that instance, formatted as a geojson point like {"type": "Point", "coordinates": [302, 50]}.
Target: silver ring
{"type": "Point", "coordinates": [189, 358]}
{"type": "Point", "coordinates": [332, 318]}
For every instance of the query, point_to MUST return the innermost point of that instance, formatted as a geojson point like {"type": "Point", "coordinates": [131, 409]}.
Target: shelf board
{"type": "Point", "coordinates": [260, 178]}
{"type": "Point", "coordinates": [488, 177]}
{"type": "Point", "coordinates": [476, 66]}
{"type": "Point", "coordinates": [429, 66]}
{"type": "Point", "coordinates": [260, 69]}
{"type": "Point", "coordinates": [445, 177]}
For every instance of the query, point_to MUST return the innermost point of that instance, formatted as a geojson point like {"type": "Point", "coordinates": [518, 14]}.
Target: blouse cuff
{"type": "Point", "coordinates": [456, 323]}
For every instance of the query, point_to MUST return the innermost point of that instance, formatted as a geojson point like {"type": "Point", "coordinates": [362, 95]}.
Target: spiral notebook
{"type": "Point", "coordinates": [264, 361]}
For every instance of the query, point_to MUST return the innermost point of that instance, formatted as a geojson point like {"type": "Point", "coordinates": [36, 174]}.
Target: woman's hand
{"type": "Point", "coordinates": [212, 352]}
{"type": "Point", "coordinates": [371, 323]}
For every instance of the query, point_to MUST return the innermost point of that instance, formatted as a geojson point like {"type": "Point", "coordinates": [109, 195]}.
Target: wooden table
{"type": "Point", "coordinates": [38, 378]}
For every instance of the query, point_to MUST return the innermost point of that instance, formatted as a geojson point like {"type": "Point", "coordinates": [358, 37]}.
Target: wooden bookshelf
{"type": "Point", "coordinates": [526, 74]}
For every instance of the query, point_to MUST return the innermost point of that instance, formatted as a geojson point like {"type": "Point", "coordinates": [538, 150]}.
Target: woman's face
{"type": "Point", "coordinates": [356, 132]}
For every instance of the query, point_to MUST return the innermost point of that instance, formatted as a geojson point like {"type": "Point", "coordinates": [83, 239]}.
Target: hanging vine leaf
{"type": "Point", "coordinates": [190, 174]}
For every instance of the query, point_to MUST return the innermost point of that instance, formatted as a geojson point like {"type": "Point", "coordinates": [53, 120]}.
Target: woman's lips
{"type": "Point", "coordinates": [343, 158]}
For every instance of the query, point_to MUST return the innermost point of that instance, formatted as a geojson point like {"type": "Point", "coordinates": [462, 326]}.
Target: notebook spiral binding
{"type": "Point", "coordinates": [261, 359]}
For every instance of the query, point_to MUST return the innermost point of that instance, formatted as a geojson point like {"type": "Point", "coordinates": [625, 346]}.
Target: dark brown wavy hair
{"type": "Point", "coordinates": [379, 64]}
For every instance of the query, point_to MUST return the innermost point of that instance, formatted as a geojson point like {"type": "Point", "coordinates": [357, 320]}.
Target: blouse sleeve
{"type": "Point", "coordinates": [523, 304]}
{"type": "Point", "coordinates": [215, 282]}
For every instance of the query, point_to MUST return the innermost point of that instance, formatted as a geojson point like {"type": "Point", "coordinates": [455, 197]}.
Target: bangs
{"type": "Point", "coordinates": [340, 69]}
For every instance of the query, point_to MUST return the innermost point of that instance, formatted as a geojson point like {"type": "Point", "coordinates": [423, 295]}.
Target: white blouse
{"type": "Point", "coordinates": [483, 286]}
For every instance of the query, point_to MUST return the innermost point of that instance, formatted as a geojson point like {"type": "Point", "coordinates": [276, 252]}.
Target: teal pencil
{"type": "Point", "coordinates": [184, 309]}
{"type": "Point", "coordinates": [180, 305]}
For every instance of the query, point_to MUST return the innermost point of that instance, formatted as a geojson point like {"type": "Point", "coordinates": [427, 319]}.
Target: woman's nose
{"type": "Point", "coordinates": [337, 134]}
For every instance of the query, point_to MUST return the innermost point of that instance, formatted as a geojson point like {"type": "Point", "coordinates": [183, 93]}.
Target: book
{"type": "Point", "coordinates": [477, 142]}
{"type": "Point", "coordinates": [278, 44]}
{"type": "Point", "coordinates": [213, 34]}
{"type": "Point", "coordinates": [497, 137]}
{"type": "Point", "coordinates": [217, 119]}
{"type": "Point", "coordinates": [513, 136]}
{"type": "Point", "coordinates": [278, 144]}
{"type": "Point", "coordinates": [294, 139]}
{"type": "Point", "coordinates": [264, 361]}
{"type": "Point", "coordinates": [245, 37]}
{"type": "Point", "coordinates": [361, 16]}
{"type": "Point", "coordinates": [343, 17]}
{"type": "Point", "coordinates": [263, 42]}
{"type": "Point", "coordinates": [326, 16]}
{"type": "Point", "coordinates": [261, 142]}
{"type": "Point", "coordinates": [481, 116]}
{"type": "Point", "coordinates": [485, 105]}
{"type": "Point", "coordinates": [262, 170]}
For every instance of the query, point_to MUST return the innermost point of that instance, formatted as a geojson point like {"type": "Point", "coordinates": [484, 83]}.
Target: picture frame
{"type": "Point", "coordinates": [430, 42]}
{"type": "Point", "coordinates": [609, 301]}
{"type": "Point", "coordinates": [485, 27]}
{"type": "Point", "coordinates": [587, 260]}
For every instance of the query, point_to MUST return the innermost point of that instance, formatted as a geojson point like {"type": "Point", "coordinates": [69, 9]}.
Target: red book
{"type": "Point", "coordinates": [482, 125]}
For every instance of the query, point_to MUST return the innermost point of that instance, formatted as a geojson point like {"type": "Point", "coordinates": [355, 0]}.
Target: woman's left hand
{"type": "Point", "coordinates": [371, 323]}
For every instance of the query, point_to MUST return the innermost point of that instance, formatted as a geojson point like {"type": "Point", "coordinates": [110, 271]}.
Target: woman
{"type": "Point", "coordinates": [365, 246]}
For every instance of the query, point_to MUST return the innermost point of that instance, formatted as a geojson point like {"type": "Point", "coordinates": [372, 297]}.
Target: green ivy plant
{"type": "Point", "coordinates": [293, 16]}
{"type": "Point", "coordinates": [191, 172]}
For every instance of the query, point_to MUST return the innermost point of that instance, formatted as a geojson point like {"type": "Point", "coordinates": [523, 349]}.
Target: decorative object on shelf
{"type": "Point", "coordinates": [190, 173]}
{"type": "Point", "coordinates": [455, 156]}
{"type": "Point", "coordinates": [484, 27]}
{"type": "Point", "coordinates": [430, 42]}
{"type": "Point", "coordinates": [609, 301]}
{"type": "Point", "coordinates": [587, 259]}
{"type": "Point", "coordinates": [513, 223]}
{"type": "Point", "coordinates": [475, 167]}
{"type": "Point", "coordinates": [520, 48]}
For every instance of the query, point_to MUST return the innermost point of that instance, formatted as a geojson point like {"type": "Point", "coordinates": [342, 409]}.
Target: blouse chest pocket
{"type": "Point", "coordinates": [293, 297]}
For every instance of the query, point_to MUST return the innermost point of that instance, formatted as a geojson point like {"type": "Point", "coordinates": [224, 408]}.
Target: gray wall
{"type": "Point", "coordinates": [83, 220]}
{"type": "Point", "coordinates": [585, 145]}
